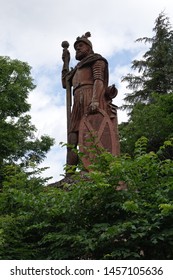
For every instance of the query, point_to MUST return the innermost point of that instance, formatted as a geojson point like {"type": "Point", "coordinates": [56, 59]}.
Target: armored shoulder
{"type": "Point", "coordinates": [98, 68]}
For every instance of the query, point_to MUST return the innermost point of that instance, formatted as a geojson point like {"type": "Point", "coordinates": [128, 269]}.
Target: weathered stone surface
{"type": "Point", "coordinates": [92, 110]}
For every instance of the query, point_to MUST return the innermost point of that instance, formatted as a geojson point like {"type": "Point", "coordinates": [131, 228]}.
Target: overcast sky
{"type": "Point", "coordinates": [32, 31]}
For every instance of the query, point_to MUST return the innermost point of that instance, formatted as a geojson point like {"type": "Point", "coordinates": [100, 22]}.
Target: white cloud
{"type": "Point", "coordinates": [32, 31]}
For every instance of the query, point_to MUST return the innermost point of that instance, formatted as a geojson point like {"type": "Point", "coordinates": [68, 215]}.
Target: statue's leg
{"type": "Point", "coordinates": [72, 157]}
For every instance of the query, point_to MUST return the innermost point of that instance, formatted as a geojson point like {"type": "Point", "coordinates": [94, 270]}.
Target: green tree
{"type": "Point", "coordinates": [17, 138]}
{"type": "Point", "coordinates": [154, 71]}
{"type": "Point", "coordinates": [121, 210]}
{"type": "Point", "coordinates": [154, 121]}
{"type": "Point", "coordinates": [150, 101]}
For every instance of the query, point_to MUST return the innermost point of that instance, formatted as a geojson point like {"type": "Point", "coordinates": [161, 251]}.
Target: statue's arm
{"type": "Point", "coordinates": [99, 84]}
{"type": "Point", "coordinates": [98, 90]}
{"type": "Point", "coordinates": [99, 80]}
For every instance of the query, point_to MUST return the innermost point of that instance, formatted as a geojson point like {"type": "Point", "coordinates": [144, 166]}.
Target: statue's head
{"type": "Point", "coordinates": [83, 46]}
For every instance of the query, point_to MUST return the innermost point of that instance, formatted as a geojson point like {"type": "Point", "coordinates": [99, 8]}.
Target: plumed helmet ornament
{"type": "Point", "coordinates": [84, 38]}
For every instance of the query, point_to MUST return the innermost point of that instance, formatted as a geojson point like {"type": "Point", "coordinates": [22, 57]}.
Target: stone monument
{"type": "Point", "coordinates": [91, 115]}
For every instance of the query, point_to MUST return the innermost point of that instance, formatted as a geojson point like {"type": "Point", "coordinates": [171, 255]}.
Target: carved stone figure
{"type": "Point", "coordinates": [93, 115]}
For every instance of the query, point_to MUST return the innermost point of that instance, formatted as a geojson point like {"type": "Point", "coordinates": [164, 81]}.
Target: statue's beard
{"type": "Point", "coordinates": [80, 55]}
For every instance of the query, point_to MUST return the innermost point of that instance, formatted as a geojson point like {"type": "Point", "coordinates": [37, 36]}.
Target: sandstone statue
{"type": "Point", "coordinates": [91, 115]}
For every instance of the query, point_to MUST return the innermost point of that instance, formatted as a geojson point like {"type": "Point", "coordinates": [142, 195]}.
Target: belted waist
{"type": "Point", "coordinates": [82, 84]}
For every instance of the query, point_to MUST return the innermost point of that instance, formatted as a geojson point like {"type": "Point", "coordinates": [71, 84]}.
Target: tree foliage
{"type": "Point", "coordinates": [20, 152]}
{"type": "Point", "coordinates": [154, 71]}
{"type": "Point", "coordinates": [154, 121]}
{"type": "Point", "coordinates": [121, 210]}
{"type": "Point", "coordinates": [150, 103]}
{"type": "Point", "coordinates": [17, 134]}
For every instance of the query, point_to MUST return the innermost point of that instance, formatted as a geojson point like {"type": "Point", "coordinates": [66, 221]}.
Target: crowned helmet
{"type": "Point", "coordinates": [84, 38]}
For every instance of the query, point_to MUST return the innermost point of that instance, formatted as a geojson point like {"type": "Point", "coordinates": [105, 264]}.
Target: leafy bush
{"type": "Point", "coordinates": [122, 209]}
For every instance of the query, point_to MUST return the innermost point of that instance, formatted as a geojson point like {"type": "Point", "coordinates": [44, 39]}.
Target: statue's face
{"type": "Point", "coordinates": [82, 50]}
